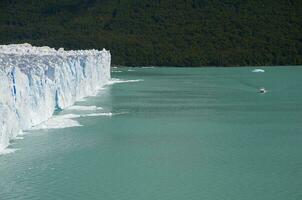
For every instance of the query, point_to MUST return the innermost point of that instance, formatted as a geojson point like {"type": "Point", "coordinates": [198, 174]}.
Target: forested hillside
{"type": "Point", "coordinates": [162, 32]}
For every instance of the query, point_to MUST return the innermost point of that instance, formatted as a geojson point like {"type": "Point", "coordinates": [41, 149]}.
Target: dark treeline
{"type": "Point", "coordinates": [162, 32]}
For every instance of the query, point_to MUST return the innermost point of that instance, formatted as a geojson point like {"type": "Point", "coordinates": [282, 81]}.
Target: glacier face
{"type": "Point", "coordinates": [35, 81]}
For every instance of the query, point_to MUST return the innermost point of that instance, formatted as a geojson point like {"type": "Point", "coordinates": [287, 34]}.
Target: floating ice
{"type": "Point", "coordinates": [258, 70]}
{"type": "Point", "coordinates": [8, 151]}
{"type": "Point", "coordinates": [34, 81]}
{"type": "Point", "coordinates": [109, 114]}
{"type": "Point", "coordinates": [66, 121]}
{"type": "Point", "coordinates": [84, 108]}
{"type": "Point", "coordinates": [116, 80]}
{"type": "Point", "coordinates": [18, 138]}
{"type": "Point", "coordinates": [59, 122]}
{"type": "Point", "coordinates": [98, 114]}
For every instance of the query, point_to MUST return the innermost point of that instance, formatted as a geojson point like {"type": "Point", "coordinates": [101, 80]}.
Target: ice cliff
{"type": "Point", "coordinates": [35, 81]}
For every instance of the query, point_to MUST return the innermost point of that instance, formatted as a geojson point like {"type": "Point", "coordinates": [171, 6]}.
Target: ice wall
{"type": "Point", "coordinates": [34, 81]}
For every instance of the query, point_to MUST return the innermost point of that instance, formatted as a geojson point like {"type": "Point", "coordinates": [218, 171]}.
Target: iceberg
{"type": "Point", "coordinates": [258, 70]}
{"type": "Point", "coordinates": [36, 81]}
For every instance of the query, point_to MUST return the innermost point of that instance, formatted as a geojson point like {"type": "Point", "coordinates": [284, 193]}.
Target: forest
{"type": "Point", "coordinates": [187, 33]}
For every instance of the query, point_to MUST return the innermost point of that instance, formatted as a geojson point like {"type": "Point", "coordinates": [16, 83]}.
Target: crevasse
{"type": "Point", "coordinates": [35, 81]}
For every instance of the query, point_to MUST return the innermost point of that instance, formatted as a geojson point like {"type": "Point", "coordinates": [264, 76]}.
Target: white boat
{"type": "Point", "coordinates": [262, 90]}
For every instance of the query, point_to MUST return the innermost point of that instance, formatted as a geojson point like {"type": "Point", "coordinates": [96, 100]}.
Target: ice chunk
{"type": "Point", "coordinates": [116, 80]}
{"type": "Point", "coordinates": [85, 108]}
{"type": "Point", "coordinates": [258, 70]}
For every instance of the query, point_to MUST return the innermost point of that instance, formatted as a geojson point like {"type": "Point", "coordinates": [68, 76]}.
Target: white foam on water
{"type": "Point", "coordinates": [258, 70]}
{"type": "Point", "coordinates": [118, 71]}
{"type": "Point", "coordinates": [116, 80]}
{"type": "Point", "coordinates": [8, 151]}
{"type": "Point", "coordinates": [131, 70]}
{"type": "Point", "coordinates": [148, 67]}
{"type": "Point", "coordinates": [85, 108]}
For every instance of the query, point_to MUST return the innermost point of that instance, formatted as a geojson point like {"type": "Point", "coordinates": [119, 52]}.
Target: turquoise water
{"type": "Point", "coordinates": [178, 134]}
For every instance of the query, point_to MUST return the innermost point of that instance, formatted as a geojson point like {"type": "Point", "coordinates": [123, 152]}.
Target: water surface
{"type": "Point", "coordinates": [174, 134]}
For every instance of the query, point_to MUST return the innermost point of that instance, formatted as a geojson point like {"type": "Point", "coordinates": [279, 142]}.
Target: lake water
{"type": "Point", "coordinates": [174, 134]}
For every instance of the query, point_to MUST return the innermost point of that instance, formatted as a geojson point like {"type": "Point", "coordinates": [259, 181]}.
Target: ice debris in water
{"type": "Point", "coordinates": [258, 70]}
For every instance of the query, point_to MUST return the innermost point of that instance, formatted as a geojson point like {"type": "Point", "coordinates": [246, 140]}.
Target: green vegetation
{"type": "Point", "coordinates": [162, 32]}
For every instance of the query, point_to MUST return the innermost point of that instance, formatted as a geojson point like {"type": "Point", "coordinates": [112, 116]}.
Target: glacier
{"type": "Point", "coordinates": [36, 81]}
